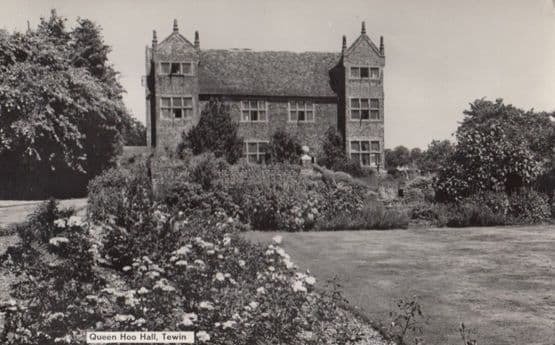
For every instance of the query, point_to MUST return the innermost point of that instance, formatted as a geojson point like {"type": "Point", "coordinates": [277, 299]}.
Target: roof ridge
{"type": "Point", "coordinates": [271, 51]}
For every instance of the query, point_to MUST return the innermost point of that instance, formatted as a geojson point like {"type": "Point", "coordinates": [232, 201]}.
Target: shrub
{"type": "Point", "coordinates": [472, 212]}
{"type": "Point", "coordinates": [529, 207]}
{"type": "Point", "coordinates": [284, 148]}
{"type": "Point", "coordinates": [215, 132]}
{"type": "Point", "coordinates": [335, 158]}
{"type": "Point", "coordinates": [205, 168]}
{"type": "Point", "coordinates": [419, 189]}
{"type": "Point", "coordinates": [435, 214]}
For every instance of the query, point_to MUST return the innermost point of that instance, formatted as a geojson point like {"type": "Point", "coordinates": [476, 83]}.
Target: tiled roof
{"type": "Point", "coordinates": [246, 72]}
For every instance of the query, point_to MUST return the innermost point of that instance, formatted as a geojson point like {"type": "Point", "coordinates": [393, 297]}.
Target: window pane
{"type": "Point", "coordinates": [301, 115]}
{"type": "Point", "coordinates": [187, 112]}
{"type": "Point", "coordinates": [308, 104]}
{"type": "Point", "coordinates": [253, 104]}
{"type": "Point", "coordinates": [293, 116]}
{"type": "Point", "coordinates": [355, 103]}
{"type": "Point", "coordinates": [245, 104]}
{"type": "Point", "coordinates": [364, 115]}
{"type": "Point", "coordinates": [365, 146]}
{"type": "Point", "coordinates": [375, 114]}
{"type": "Point", "coordinates": [355, 72]}
{"type": "Point", "coordinates": [252, 147]}
{"type": "Point", "coordinates": [355, 114]}
{"type": "Point", "coordinates": [177, 113]}
{"type": "Point", "coordinates": [365, 159]}
{"type": "Point", "coordinates": [166, 102]}
{"type": "Point", "coordinates": [262, 147]}
{"type": "Point", "coordinates": [374, 103]}
{"type": "Point", "coordinates": [375, 145]}
{"type": "Point", "coordinates": [177, 102]}
{"type": "Point", "coordinates": [375, 73]}
{"type": "Point", "coordinates": [166, 113]}
{"type": "Point", "coordinates": [355, 145]}
{"type": "Point", "coordinates": [309, 116]}
{"type": "Point", "coordinates": [188, 102]}
{"type": "Point", "coordinates": [254, 115]}
{"type": "Point", "coordinates": [261, 105]}
{"type": "Point", "coordinates": [176, 68]}
{"type": "Point", "coordinates": [262, 115]}
{"type": "Point", "coordinates": [376, 158]}
{"type": "Point", "coordinates": [186, 68]}
{"type": "Point", "coordinates": [355, 157]}
{"type": "Point", "coordinates": [165, 68]}
{"type": "Point", "coordinates": [252, 158]}
{"type": "Point", "coordinates": [364, 72]}
{"type": "Point", "coordinates": [245, 115]}
{"type": "Point", "coordinates": [364, 103]}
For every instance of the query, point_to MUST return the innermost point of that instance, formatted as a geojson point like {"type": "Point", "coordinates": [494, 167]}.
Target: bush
{"type": "Point", "coordinates": [529, 207]}
{"type": "Point", "coordinates": [205, 168]}
{"type": "Point", "coordinates": [435, 214]}
{"type": "Point", "coordinates": [335, 158]}
{"type": "Point", "coordinates": [284, 148]}
{"type": "Point", "coordinates": [419, 189]}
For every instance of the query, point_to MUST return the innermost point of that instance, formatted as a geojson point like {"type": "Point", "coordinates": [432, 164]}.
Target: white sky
{"type": "Point", "coordinates": [440, 54]}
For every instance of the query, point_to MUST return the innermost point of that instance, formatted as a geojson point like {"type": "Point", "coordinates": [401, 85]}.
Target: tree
{"type": "Point", "coordinates": [496, 151]}
{"type": "Point", "coordinates": [215, 132]}
{"type": "Point", "coordinates": [415, 156]}
{"type": "Point", "coordinates": [334, 156]}
{"type": "Point", "coordinates": [399, 156]}
{"type": "Point", "coordinates": [284, 147]}
{"type": "Point", "coordinates": [60, 125]}
{"type": "Point", "coordinates": [134, 132]}
{"type": "Point", "coordinates": [435, 156]}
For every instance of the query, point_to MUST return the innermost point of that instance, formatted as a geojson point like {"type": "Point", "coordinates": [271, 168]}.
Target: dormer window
{"type": "Point", "coordinates": [176, 68]}
{"type": "Point", "coordinates": [365, 72]}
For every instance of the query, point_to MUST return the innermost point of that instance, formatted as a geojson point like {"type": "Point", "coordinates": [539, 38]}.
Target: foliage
{"type": "Point", "coordinates": [495, 152]}
{"type": "Point", "coordinates": [215, 132]}
{"type": "Point", "coordinates": [435, 156]}
{"type": "Point", "coordinates": [133, 132]}
{"type": "Point", "coordinates": [407, 321]}
{"type": "Point", "coordinates": [398, 157]}
{"type": "Point", "coordinates": [60, 122]}
{"type": "Point", "coordinates": [205, 168]}
{"type": "Point", "coordinates": [529, 207]}
{"type": "Point", "coordinates": [335, 158]}
{"type": "Point", "coordinates": [284, 148]}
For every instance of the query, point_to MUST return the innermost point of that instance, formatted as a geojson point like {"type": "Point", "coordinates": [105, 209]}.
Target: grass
{"type": "Point", "coordinates": [498, 280]}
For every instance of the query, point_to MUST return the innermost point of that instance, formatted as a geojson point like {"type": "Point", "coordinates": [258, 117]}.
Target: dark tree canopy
{"type": "Point", "coordinates": [284, 147]}
{"type": "Point", "coordinates": [60, 120]}
{"type": "Point", "coordinates": [216, 132]}
{"type": "Point", "coordinates": [435, 156]}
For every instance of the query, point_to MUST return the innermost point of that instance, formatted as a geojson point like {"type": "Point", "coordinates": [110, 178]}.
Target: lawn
{"type": "Point", "coordinates": [500, 281]}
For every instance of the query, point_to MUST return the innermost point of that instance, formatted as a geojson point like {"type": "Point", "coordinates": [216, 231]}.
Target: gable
{"type": "Point", "coordinates": [363, 51]}
{"type": "Point", "coordinates": [245, 72]}
{"type": "Point", "coordinates": [175, 45]}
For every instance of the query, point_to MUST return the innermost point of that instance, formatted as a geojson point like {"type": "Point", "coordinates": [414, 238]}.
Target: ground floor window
{"type": "Point", "coordinates": [255, 151]}
{"type": "Point", "coordinates": [176, 107]}
{"type": "Point", "coordinates": [367, 152]}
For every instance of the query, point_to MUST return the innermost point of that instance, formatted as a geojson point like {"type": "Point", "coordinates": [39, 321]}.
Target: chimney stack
{"type": "Point", "coordinates": [154, 39]}
{"type": "Point", "coordinates": [197, 40]}
{"type": "Point", "coordinates": [382, 48]}
{"type": "Point", "coordinates": [344, 45]}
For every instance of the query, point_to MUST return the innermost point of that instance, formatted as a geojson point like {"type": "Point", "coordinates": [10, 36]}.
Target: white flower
{"type": "Point", "coordinates": [74, 221]}
{"type": "Point", "coordinates": [288, 263]}
{"type": "Point", "coordinates": [230, 220]}
{"type": "Point", "coordinates": [143, 291]}
{"type": "Point", "coordinates": [241, 263]}
{"type": "Point", "coordinates": [60, 223]}
{"type": "Point", "coordinates": [229, 324]}
{"type": "Point", "coordinates": [66, 339]}
{"type": "Point", "coordinates": [261, 290]}
{"type": "Point", "coordinates": [220, 277]}
{"type": "Point", "coordinates": [163, 285]}
{"type": "Point", "coordinates": [305, 335]}
{"type": "Point", "coordinates": [310, 280]}
{"type": "Point", "coordinates": [227, 241]}
{"type": "Point", "coordinates": [203, 336]}
{"type": "Point", "coordinates": [271, 268]}
{"type": "Point", "coordinates": [253, 305]}
{"type": "Point", "coordinates": [206, 305]}
{"type": "Point", "coordinates": [298, 286]}
{"type": "Point", "coordinates": [124, 318]}
{"type": "Point", "coordinates": [140, 322]}
{"type": "Point", "coordinates": [189, 319]}
{"type": "Point", "coordinates": [153, 274]}
{"type": "Point", "coordinates": [181, 263]}
{"type": "Point", "coordinates": [183, 250]}
{"type": "Point", "coordinates": [56, 241]}
{"type": "Point", "coordinates": [126, 268]}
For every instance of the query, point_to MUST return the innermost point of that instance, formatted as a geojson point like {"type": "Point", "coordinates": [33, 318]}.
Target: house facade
{"type": "Point", "coordinates": [303, 93]}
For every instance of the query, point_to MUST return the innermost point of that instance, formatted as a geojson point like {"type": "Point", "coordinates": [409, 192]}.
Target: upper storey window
{"type": "Point", "coordinates": [365, 72]}
{"type": "Point", "coordinates": [176, 107]}
{"type": "Point", "coordinates": [301, 111]}
{"type": "Point", "coordinates": [176, 68]}
{"type": "Point", "coordinates": [253, 111]}
{"type": "Point", "coordinates": [365, 109]}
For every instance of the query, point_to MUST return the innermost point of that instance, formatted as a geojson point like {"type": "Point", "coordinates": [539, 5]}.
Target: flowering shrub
{"type": "Point", "coordinates": [529, 207]}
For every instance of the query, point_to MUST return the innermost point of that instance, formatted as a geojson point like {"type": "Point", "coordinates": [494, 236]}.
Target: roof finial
{"type": "Point", "coordinates": [344, 44]}
{"type": "Point", "coordinates": [382, 48]}
{"type": "Point", "coordinates": [175, 28]}
{"type": "Point", "coordinates": [154, 38]}
{"type": "Point", "coordinates": [197, 40]}
{"type": "Point", "coordinates": [363, 29]}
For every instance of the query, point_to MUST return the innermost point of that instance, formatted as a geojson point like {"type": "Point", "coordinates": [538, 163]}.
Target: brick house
{"type": "Point", "coordinates": [303, 93]}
